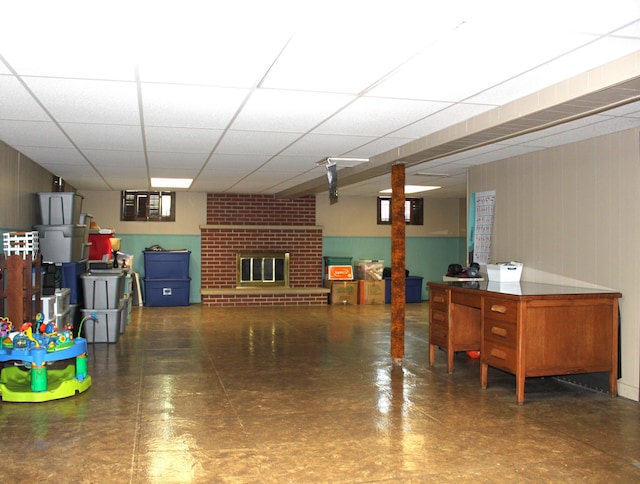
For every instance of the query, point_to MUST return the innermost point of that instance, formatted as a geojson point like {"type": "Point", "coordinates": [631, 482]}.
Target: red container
{"type": "Point", "coordinates": [100, 246]}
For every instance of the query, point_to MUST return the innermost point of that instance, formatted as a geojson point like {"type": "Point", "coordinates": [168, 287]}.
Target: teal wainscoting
{"type": "Point", "coordinates": [135, 244]}
{"type": "Point", "coordinates": [427, 257]}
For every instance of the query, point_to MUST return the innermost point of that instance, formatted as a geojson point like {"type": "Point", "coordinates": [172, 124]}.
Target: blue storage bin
{"type": "Point", "coordinates": [166, 292]}
{"type": "Point", "coordinates": [171, 264]}
{"type": "Point", "coordinates": [413, 291]}
{"type": "Point", "coordinates": [71, 272]}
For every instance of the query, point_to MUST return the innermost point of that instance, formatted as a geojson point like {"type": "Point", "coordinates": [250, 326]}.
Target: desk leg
{"type": "Point", "coordinates": [432, 354]}
{"type": "Point", "coordinates": [450, 355]}
{"type": "Point", "coordinates": [483, 375]}
{"type": "Point", "coordinates": [520, 379]}
{"type": "Point", "coordinates": [613, 383]}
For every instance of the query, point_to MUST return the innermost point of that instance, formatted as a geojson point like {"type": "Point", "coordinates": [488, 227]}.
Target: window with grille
{"type": "Point", "coordinates": [413, 211]}
{"type": "Point", "coordinates": [143, 206]}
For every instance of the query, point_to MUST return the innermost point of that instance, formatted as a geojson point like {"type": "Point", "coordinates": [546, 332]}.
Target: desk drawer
{"type": "Point", "coordinates": [438, 335]}
{"type": "Point", "coordinates": [501, 309]}
{"type": "Point", "coordinates": [499, 356]}
{"type": "Point", "coordinates": [501, 332]}
{"type": "Point", "coordinates": [439, 317]}
{"type": "Point", "coordinates": [439, 299]}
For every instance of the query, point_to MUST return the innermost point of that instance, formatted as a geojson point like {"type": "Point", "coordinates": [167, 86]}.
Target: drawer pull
{"type": "Point", "coordinates": [439, 317]}
{"type": "Point", "coordinates": [498, 331]}
{"type": "Point", "coordinates": [498, 353]}
{"type": "Point", "coordinates": [498, 308]}
{"type": "Point", "coordinates": [438, 299]}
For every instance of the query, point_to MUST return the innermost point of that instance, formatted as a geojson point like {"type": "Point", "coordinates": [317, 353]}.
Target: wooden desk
{"type": "Point", "coordinates": [527, 329]}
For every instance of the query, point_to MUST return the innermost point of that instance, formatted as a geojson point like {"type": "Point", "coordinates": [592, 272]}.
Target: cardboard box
{"type": "Point", "coordinates": [340, 273]}
{"type": "Point", "coordinates": [371, 292]}
{"type": "Point", "coordinates": [342, 292]}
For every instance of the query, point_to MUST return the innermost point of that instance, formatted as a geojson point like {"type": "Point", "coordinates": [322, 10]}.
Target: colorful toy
{"type": "Point", "coordinates": [35, 351]}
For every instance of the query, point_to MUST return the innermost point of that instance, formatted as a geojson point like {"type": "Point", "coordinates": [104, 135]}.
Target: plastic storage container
{"type": "Point", "coordinates": [60, 208]}
{"type": "Point", "coordinates": [100, 248]}
{"type": "Point", "coordinates": [368, 270]}
{"type": "Point", "coordinates": [171, 264]}
{"type": "Point", "coordinates": [335, 261]}
{"type": "Point", "coordinates": [413, 289]}
{"type": "Point", "coordinates": [103, 289]}
{"type": "Point", "coordinates": [71, 272]}
{"type": "Point", "coordinates": [107, 328]}
{"type": "Point", "coordinates": [61, 243]}
{"type": "Point", "coordinates": [505, 271]}
{"type": "Point", "coordinates": [166, 292]}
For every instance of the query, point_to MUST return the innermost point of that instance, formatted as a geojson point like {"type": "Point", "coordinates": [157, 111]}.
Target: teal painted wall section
{"type": "Point", "coordinates": [135, 244]}
{"type": "Point", "coordinates": [427, 257]}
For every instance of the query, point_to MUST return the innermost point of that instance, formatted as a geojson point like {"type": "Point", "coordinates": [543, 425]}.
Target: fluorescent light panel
{"type": "Point", "coordinates": [171, 182]}
{"type": "Point", "coordinates": [413, 189]}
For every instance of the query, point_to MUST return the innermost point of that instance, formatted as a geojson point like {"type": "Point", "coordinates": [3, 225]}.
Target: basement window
{"type": "Point", "coordinates": [144, 206]}
{"type": "Point", "coordinates": [413, 211]}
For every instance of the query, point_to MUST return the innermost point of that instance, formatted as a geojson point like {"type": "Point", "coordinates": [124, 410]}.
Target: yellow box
{"type": "Point", "coordinates": [371, 292]}
{"type": "Point", "coordinates": [342, 292]}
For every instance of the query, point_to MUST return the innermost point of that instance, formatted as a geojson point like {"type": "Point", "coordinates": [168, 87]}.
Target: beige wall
{"type": "Point", "coordinates": [356, 216]}
{"type": "Point", "coordinates": [20, 180]}
{"type": "Point", "coordinates": [191, 212]}
{"type": "Point", "coordinates": [570, 215]}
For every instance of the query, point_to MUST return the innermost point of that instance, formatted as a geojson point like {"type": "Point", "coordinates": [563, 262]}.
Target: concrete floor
{"type": "Point", "coordinates": [309, 394]}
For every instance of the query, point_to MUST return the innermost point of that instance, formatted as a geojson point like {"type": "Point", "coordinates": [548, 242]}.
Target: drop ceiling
{"type": "Point", "coordinates": [246, 97]}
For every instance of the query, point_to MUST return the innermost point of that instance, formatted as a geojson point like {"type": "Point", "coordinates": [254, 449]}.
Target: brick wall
{"type": "Point", "coordinates": [238, 209]}
{"type": "Point", "coordinates": [271, 225]}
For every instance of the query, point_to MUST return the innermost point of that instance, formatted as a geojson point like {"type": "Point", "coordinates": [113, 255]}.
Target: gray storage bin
{"type": "Point", "coordinates": [61, 243]}
{"type": "Point", "coordinates": [60, 208]}
{"type": "Point", "coordinates": [107, 328]}
{"type": "Point", "coordinates": [103, 289]}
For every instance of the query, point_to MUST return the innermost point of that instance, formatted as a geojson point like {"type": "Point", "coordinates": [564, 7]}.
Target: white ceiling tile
{"type": "Point", "coordinates": [323, 145]}
{"type": "Point", "coordinates": [255, 142]}
{"type": "Point", "coordinates": [17, 103]}
{"type": "Point", "coordinates": [45, 155]}
{"type": "Point", "coordinates": [32, 133]}
{"type": "Point", "coordinates": [240, 163]}
{"type": "Point", "coordinates": [107, 159]}
{"type": "Point", "coordinates": [339, 57]}
{"type": "Point", "coordinates": [370, 116]}
{"type": "Point", "coordinates": [288, 111]}
{"type": "Point", "coordinates": [265, 79]}
{"type": "Point", "coordinates": [182, 140]}
{"type": "Point", "coordinates": [293, 163]}
{"type": "Point", "coordinates": [190, 106]}
{"type": "Point", "coordinates": [81, 101]}
{"type": "Point", "coordinates": [177, 161]}
{"type": "Point", "coordinates": [105, 136]}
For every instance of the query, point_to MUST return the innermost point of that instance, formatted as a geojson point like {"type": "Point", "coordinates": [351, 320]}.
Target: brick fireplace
{"type": "Point", "coordinates": [239, 223]}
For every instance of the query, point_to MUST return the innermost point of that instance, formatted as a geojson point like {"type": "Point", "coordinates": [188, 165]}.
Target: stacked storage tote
{"type": "Point", "coordinates": [166, 277]}
{"type": "Point", "coordinates": [63, 232]}
{"type": "Point", "coordinates": [104, 305]}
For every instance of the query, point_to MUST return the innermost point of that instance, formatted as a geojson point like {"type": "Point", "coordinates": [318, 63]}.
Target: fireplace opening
{"type": "Point", "coordinates": [260, 269]}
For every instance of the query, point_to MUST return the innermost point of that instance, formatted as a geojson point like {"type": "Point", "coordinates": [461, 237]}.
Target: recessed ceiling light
{"type": "Point", "coordinates": [171, 182]}
{"type": "Point", "coordinates": [413, 189]}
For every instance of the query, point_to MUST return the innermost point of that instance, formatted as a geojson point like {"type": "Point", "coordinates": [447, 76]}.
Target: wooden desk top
{"type": "Point", "coordinates": [527, 289]}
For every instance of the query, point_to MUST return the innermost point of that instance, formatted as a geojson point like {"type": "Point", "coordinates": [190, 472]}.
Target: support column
{"type": "Point", "coordinates": [398, 262]}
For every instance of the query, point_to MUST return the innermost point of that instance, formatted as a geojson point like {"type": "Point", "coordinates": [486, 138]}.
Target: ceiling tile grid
{"type": "Point", "coordinates": [248, 96]}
